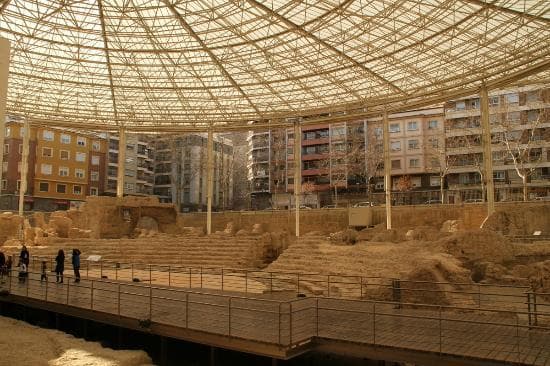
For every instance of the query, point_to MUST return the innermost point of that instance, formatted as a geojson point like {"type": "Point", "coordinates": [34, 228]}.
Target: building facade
{"type": "Point", "coordinates": [64, 167]}
{"type": "Point", "coordinates": [180, 171]}
{"type": "Point", "coordinates": [520, 137]}
{"type": "Point", "coordinates": [138, 165]}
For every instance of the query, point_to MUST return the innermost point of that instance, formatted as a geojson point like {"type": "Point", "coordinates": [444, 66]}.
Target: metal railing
{"type": "Point", "coordinates": [481, 296]}
{"type": "Point", "coordinates": [445, 330]}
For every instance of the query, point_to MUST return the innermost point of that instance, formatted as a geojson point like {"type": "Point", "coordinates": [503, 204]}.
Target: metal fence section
{"type": "Point", "coordinates": [503, 335]}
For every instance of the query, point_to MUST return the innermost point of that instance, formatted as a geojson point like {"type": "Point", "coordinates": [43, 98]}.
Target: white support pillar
{"type": "Point", "coordinates": [487, 153]}
{"type": "Point", "coordinates": [121, 162]}
{"type": "Point", "coordinates": [387, 168]}
{"type": "Point", "coordinates": [297, 174]}
{"type": "Point", "coordinates": [4, 69]}
{"type": "Point", "coordinates": [210, 180]}
{"type": "Point", "coordinates": [24, 166]}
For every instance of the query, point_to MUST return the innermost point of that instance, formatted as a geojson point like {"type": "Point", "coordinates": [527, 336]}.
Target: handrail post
{"type": "Point", "coordinates": [169, 276]}
{"type": "Point", "coordinates": [187, 310]}
{"type": "Point", "coordinates": [222, 279]}
{"type": "Point", "coordinates": [317, 317]}
{"type": "Point", "coordinates": [27, 280]}
{"type": "Point", "coordinates": [201, 277]}
{"type": "Point", "coordinates": [517, 339]}
{"type": "Point", "coordinates": [190, 281]}
{"type": "Point", "coordinates": [87, 269]}
{"type": "Point", "coordinates": [101, 269]}
{"type": "Point", "coordinates": [290, 322]}
{"type": "Point", "coordinates": [246, 282]}
{"type": "Point", "coordinates": [150, 302]}
{"type": "Point", "coordinates": [150, 275]}
{"type": "Point", "coordinates": [229, 317]}
{"type": "Point", "coordinates": [298, 277]}
{"type": "Point", "coordinates": [271, 282]}
{"type": "Point", "coordinates": [119, 299]}
{"type": "Point", "coordinates": [68, 286]}
{"type": "Point", "coordinates": [280, 323]}
{"type": "Point", "coordinates": [132, 267]}
{"type": "Point", "coordinates": [46, 296]}
{"type": "Point", "coordinates": [92, 295]}
{"type": "Point", "coordinates": [328, 285]}
{"type": "Point", "coordinates": [361, 286]}
{"type": "Point", "coordinates": [440, 332]}
{"type": "Point", "coordinates": [374, 323]}
{"type": "Point", "coordinates": [116, 271]}
{"type": "Point", "coordinates": [479, 296]}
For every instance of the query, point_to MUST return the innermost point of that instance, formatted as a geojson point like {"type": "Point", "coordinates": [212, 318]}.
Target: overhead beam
{"type": "Point", "coordinates": [211, 54]}
{"type": "Point", "coordinates": [4, 71]}
{"type": "Point", "coordinates": [302, 31]}
{"type": "Point", "coordinates": [108, 58]}
{"type": "Point", "coordinates": [487, 151]}
{"type": "Point", "coordinates": [492, 6]}
{"type": "Point", "coordinates": [4, 5]}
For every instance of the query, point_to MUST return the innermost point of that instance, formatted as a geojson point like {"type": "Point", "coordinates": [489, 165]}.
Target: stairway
{"type": "Point", "coordinates": [191, 250]}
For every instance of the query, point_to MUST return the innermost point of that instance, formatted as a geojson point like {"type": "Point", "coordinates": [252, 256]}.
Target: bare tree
{"type": "Point", "coordinates": [522, 145]}
{"type": "Point", "coordinates": [440, 162]}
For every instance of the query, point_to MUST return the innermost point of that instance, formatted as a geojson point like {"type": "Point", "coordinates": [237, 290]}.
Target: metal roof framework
{"type": "Point", "coordinates": [175, 65]}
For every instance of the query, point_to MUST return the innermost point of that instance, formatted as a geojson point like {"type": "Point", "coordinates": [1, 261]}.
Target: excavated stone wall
{"type": "Point", "coordinates": [471, 217]}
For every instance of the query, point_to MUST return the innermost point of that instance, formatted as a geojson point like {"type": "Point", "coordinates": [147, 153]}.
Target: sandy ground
{"type": "Point", "coordinates": [24, 344]}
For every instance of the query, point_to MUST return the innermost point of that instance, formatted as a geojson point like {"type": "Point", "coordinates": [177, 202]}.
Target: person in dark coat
{"type": "Point", "coordinates": [2, 265]}
{"type": "Point", "coordinates": [59, 266]}
{"type": "Point", "coordinates": [76, 265]}
{"type": "Point", "coordinates": [24, 256]}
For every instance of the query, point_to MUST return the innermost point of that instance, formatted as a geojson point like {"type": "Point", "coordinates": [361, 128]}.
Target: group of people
{"type": "Point", "coordinates": [24, 260]}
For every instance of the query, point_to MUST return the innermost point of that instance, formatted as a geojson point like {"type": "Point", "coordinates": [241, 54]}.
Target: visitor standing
{"type": "Point", "coordinates": [24, 256]}
{"type": "Point", "coordinates": [59, 266]}
{"type": "Point", "coordinates": [8, 265]}
{"type": "Point", "coordinates": [2, 265]}
{"type": "Point", "coordinates": [76, 265]}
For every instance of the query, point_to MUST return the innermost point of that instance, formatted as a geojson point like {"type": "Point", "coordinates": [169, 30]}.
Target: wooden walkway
{"type": "Point", "coordinates": [284, 328]}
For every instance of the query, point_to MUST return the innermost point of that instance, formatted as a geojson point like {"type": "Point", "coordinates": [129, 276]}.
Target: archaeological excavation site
{"type": "Point", "coordinates": [275, 182]}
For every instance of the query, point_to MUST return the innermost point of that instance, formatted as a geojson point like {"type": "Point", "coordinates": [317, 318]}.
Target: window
{"type": "Point", "coordinates": [378, 131]}
{"type": "Point", "coordinates": [412, 126]}
{"type": "Point", "coordinates": [513, 117]}
{"type": "Point", "coordinates": [43, 186]}
{"type": "Point", "coordinates": [129, 147]}
{"type": "Point", "coordinates": [47, 152]}
{"type": "Point", "coordinates": [533, 96]}
{"type": "Point", "coordinates": [434, 142]}
{"type": "Point", "coordinates": [96, 146]}
{"type": "Point", "coordinates": [95, 160]}
{"type": "Point", "coordinates": [93, 191]}
{"type": "Point", "coordinates": [435, 181]}
{"type": "Point", "coordinates": [396, 146]}
{"type": "Point", "coordinates": [533, 115]}
{"type": "Point", "coordinates": [79, 173]}
{"type": "Point", "coordinates": [65, 139]}
{"type": "Point", "coordinates": [394, 127]}
{"type": "Point", "coordinates": [435, 163]}
{"type": "Point", "coordinates": [18, 185]}
{"type": "Point", "coordinates": [4, 166]}
{"type": "Point", "coordinates": [512, 98]}
{"type": "Point", "coordinates": [499, 175]}
{"type": "Point", "coordinates": [63, 171]}
{"type": "Point", "coordinates": [94, 176]}
{"type": "Point", "coordinates": [414, 163]}
{"type": "Point", "coordinates": [6, 148]}
{"type": "Point", "coordinates": [494, 101]}
{"type": "Point", "coordinates": [129, 173]}
{"type": "Point", "coordinates": [46, 169]}
{"type": "Point", "coordinates": [64, 155]}
{"type": "Point", "coordinates": [413, 144]}
{"type": "Point", "coordinates": [4, 184]}
{"type": "Point", "coordinates": [379, 185]}
{"type": "Point", "coordinates": [460, 106]}
{"type": "Point", "coordinates": [77, 189]}
{"type": "Point", "coordinates": [474, 103]}
{"type": "Point", "coordinates": [432, 125]}
{"type": "Point", "coordinates": [129, 187]}
{"type": "Point", "coordinates": [81, 141]}
{"type": "Point", "coordinates": [19, 167]}
{"type": "Point", "coordinates": [48, 135]}
{"type": "Point", "coordinates": [7, 132]}
{"type": "Point", "coordinates": [396, 164]}
{"type": "Point", "coordinates": [22, 132]}
{"type": "Point", "coordinates": [61, 188]}
{"type": "Point", "coordinates": [20, 149]}
{"type": "Point", "coordinates": [80, 156]}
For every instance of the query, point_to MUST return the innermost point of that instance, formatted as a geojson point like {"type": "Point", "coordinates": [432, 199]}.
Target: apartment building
{"type": "Point", "coordinates": [138, 165]}
{"type": "Point", "coordinates": [64, 167]}
{"type": "Point", "coordinates": [520, 135]}
{"type": "Point", "coordinates": [417, 149]}
{"type": "Point", "coordinates": [346, 158]}
{"type": "Point", "coordinates": [180, 171]}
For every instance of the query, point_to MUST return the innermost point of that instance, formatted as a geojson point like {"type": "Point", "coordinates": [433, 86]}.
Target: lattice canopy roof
{"type": "Point", "coordinates": [165, 64]}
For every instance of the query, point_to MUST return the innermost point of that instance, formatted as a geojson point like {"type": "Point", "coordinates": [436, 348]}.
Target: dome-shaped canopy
{"type": "Point", "coordinates": [165, 63]}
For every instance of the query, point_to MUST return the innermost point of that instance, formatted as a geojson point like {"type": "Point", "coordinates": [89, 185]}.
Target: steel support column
{"type": "Point", "coordinates": [4, 69]}
{"type": "Point", "coordinates": [487, 153]}
{"type": "Point", "coordinates": [210, 180]}
{"type": "Point", "coordinates": [121, 162]}
{"type": "Point", "coordinates": [297, 174]}
{"type": "Point", "coordinates": [24, 166]}
{"type": "Point", "coordinates": [387, 168]}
